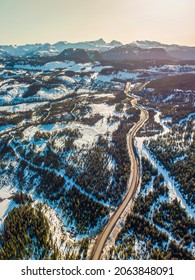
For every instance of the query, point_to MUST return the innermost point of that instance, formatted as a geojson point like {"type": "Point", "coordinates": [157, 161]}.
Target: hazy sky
{"type": "Point", "coordinates": [35, 21]}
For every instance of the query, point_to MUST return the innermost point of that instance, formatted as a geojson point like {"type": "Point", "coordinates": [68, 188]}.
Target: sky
{"type": "Point", "coordinates": [41, 21]}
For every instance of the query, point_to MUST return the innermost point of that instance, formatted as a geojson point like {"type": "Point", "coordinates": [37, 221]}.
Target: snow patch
{"type": "Point", "coordinates": [48, 66]}
{"type": "Point", "coordinates": [25, 107]}
{"type": "Point", "coordinates": [6, 203]}
{"type": "Point", "coordinates": [54, 93]}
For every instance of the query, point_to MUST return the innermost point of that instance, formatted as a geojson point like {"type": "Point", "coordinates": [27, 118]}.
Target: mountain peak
{"type": "Point", "coordinates": [115, 43]}
{"type": "Point", "coordinates": [99, 42]}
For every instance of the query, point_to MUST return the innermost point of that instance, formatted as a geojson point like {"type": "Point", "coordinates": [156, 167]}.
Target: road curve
{"type": "Point", "coordinates": [132, 185]}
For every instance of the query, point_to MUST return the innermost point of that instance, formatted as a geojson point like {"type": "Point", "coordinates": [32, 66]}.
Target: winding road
{"type": "Point", "coordinates": [132, 184]}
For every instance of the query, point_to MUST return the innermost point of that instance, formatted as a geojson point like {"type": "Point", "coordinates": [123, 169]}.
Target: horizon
{"type": "Point", "coordinates": [107, 42]}
{"type": "Point", "coordinates": [39, 21]}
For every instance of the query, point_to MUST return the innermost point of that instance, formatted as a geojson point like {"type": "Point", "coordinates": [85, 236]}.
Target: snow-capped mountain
{"type": "Point", "coordinates": [138, 50]}
{"type": "Point", "coordinates": [24, 50]}
{"type": "Point", "coordinates": [47, 49]}
{"type": "Point", "coordinates": [98, 45]}
{"type": "Point", "coordinates": [175, 51]}
{"type": "Point", "coordinates": [132, 52]}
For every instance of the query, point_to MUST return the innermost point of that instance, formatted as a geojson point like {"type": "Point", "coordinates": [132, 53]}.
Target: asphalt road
{"type": "Point", "coordinates": [132, 183]}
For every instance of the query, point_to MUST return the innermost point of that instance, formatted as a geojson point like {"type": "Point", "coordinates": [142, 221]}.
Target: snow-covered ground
{"type": "Point", "coordinates": [13, 91]}
{"type": "Point", "coordinates": [6, 128]}
{"type": "Point", "coordinates": [66, 79]}
{"type": "Point", "coordinates": [90, 134]}
{"type": "Point", "coordinates": [60, 235]}
{"type": "Point", "coordinates": [176, 69]}
{"type": "Point", "coordinates": [6, 202]}
{"type": "Point", "coordinates": [121, 75]}
{"type": "Point", "coordinates": [25, 107]}
{"type": "Point", "coordinates": [87, 87]}
{"type": "Point", "coordinates": [67, 65]}
{"type": "Point", "coordinates": [54, 93]}
{"type": "Point", "coordinates": [169, 180]}
{"type": "Point", "coordinates": [48, 66]}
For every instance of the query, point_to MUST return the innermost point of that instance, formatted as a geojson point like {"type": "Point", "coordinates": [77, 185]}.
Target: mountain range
{"type": "Point", "coordinates": [100, 50]}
